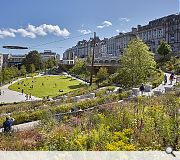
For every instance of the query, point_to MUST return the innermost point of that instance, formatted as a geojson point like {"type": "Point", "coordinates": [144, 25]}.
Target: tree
{"type": "Point", "coordinates": [79, 67]}
{"type": "Point", "coordinates": [32, 68]}
{"type": "Point", "coordinates": [137, 64]}
{"type": "Point", "coordinates": [23, 70]}
{"type": "Point", "coordinates": [102, 74]}
{"type": "Point", "coordinates": [50, 63]}
{"type": "Point", "coordinates": [33, 57]}
{"type": "Point", "coordinates": [164, 49]}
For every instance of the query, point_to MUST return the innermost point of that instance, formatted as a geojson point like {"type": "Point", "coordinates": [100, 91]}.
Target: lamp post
{"type": "Point", "coordinates": [92, 63]}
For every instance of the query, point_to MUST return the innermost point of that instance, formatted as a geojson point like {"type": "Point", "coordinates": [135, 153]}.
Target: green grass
{"type": "Point", "coordinates": [51, 87]}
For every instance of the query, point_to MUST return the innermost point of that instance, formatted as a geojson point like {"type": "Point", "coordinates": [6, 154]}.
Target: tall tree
{"type": "Point", "coordinates": [137, 63]}
{"type": "Point", "coordinates": [23, 70]}
{"type": "Point", "coordinates": [32, 68]}
{"type": "Point", "coordinates": [79, 67]}
{"type": "Point", "coordinates": [50, 63]}
{"type": "Point", "coordinates": [102, 74]}
{"type": "Point", "coordinates": [164, 49]}
{"type": "Point", "coordinates": [33, 57]}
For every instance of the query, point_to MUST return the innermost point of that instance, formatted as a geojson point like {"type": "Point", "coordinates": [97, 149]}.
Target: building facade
{"type": "Point", "coordinates": [165, 28]}
{"type": "Point", "coordinates": [82, 50]}
{"type": "Point", "coordinates": [47, 54]}
{"type": "Point", "coordinates": [1, 61]}
{"type": "Point", "coordinates": [109, 50]}
{"type": "Point", "coordinates": [122, 41]}
{"type": "Point", "coordinates": [15, 60]}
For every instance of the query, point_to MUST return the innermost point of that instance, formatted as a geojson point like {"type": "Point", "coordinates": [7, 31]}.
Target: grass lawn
{"type": "Point", "coordinates": [46, 85]}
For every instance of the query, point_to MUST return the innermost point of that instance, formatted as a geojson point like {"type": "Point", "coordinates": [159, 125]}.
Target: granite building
{"type": "Point", "coordinates": [109, 50]}
{"type": "Point", "coordinates": [165, 28]}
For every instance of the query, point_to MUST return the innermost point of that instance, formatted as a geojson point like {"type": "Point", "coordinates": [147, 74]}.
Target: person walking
{"type": "Point", "coordinates": [22, 91]}
{"type": "Point", "coordinates": [26, 97]}
{"type": "Point", "coordinates": [165, 79]}
{"type": "Point", "coordinates": [7, 125]}
{"type": "Point", "coordinates": [30, 96]}
{"type": "Point", "coordinates": [142, 89]}
{"type": "Point", "coordinates": [171, 78]}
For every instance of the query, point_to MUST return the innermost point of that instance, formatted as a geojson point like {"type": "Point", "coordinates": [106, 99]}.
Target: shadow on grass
{"type": "Point", "coordinates": [77, 86]}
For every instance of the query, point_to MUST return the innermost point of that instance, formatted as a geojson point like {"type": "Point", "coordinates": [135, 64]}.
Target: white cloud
{"type": "Point", "coordinates": [84, 31]}
{"type": "Point", "coordinates": [25, 33]}
{"type": "Point", "coordinates": [36, 30]}
{"type": "Point", "coordinates": [33, 31]}
{"type": "Point", "coordinates": [55, 30]}
{"type": "Point", "coordinates": [124, 19]}
{"type": "Point", "coordinates": [6, 33]}
{"type": "Point", "coordinates": [117, 30]}
{"type": "Point", "coordinates": [105, 24]}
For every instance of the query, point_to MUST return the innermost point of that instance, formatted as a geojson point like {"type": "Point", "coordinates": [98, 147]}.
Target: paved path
{"type": "Point", "coordinates": [24, 126]}
{"type": "Point", "coordinates": [161, 87]}
{"type": "Point", "coordinates": [82, 81]}
{"type": "Point", "coordinates": [9, 96]}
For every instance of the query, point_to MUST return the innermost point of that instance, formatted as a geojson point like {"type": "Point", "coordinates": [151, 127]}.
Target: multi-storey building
{"type": "Point", "coordinates": [111, 46]}
{"type": "Point", "coordinates": [109, 50]}
{"type": "Point", "coordinates": [83, 49]}
{"type": "Point", "coordinates": [69, 56]}
{"type": "Point", "coordinates": [47, 54]}
{"type": "Point", "coordinates": [166, 28]}
{"type": "Point", "coordinates": [1, 61]}
{"type": "Point", "coordinates": [122, 41]}
{"type": "Point", "coordinates": [6, 59]}
{"type": "Point", "coordinates": [15, 60]}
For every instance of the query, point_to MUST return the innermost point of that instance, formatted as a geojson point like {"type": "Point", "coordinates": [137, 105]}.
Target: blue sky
{"type": "Point", "coordinates": [35, 22]}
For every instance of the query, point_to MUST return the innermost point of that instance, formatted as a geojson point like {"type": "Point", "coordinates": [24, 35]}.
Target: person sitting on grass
{"type": "Point", "coordinates": [7, 125]}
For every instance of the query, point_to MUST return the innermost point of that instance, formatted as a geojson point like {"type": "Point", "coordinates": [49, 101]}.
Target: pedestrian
{"type": "Point", "coordinates": [22, 91]}
{"type": "Point", "coordinates": [42, 84]}
{"type": "Point", "coordinates": [165, 79]}
{"type": "Point", "coordinates": [171, 78]}
{"type": "Point", "coordinates": [26, 97]}
{"type": "Point", "coordinates": [30, 98]}
{"type": "Point", "coordinates": [142, 89]}
{"type": "Point", "coordinates": [0, 91]}
{"type": "Point", "coordinates": [7, 125]}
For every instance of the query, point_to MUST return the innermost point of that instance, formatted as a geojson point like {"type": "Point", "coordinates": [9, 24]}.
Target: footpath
{"type": "Point", "coordinates": [10, 96]}
{"type": "Point", "coordinates": [161, 88]}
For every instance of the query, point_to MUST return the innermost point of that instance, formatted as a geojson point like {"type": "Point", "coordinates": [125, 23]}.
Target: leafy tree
{"type": "Point", "coordinates": [79, 67]}
{"type": "Point", "coordinates": [32, 68]}
{"type": "Point", "coordinates": [33, 57]}
{"type": "Point", "coordinates": [102, 74]}
{"type": "Point", "coordinates": [137, 64]}
{"type": "Point", "coordinates": [164, 49]}
{"type": "Point", "coordinates": [50, 63]}
{"type": "Point", "coordinates": [23, 70]}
